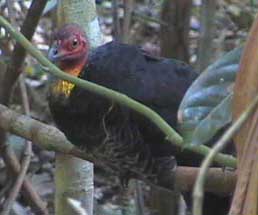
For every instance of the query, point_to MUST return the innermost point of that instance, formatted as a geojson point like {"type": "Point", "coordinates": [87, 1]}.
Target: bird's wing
{"type": "Point", "coordinates": [156, 82]}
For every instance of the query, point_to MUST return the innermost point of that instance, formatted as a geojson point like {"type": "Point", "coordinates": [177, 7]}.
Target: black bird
{"type": "Point", "coordinates": [124, 140]}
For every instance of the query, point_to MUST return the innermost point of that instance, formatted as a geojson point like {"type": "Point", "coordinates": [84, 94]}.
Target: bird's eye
{"type": "Point", "coordinates": [75, 43]}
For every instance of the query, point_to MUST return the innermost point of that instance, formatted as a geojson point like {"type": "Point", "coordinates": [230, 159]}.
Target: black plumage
{"type": "Point", "coordinates": [113, 132]}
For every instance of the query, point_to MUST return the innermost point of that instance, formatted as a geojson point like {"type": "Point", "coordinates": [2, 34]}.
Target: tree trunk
{"type": "Point", "coordinates": [206, 34]}
{"type": "Point", "coordinates": [74, 177]}
{"type": "Point", "coordinates": [174, 35]}
{"type": "Point", "coordinates": [245, 199]}
{"type": "Point", "coordinates": [173, 44]}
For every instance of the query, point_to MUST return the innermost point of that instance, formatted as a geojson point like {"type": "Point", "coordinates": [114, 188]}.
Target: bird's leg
{"type": "Point", "coordinates": [166, 167]}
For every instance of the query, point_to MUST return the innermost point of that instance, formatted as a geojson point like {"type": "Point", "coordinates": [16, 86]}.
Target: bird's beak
{"type": "Point", "coordinates": [55, 54]}
{"type": "Point", "coordinates": [52, 53]}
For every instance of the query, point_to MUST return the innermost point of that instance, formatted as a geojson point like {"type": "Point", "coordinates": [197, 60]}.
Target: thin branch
{"type": "Point", "coordinates": [24, 95]}
{"type": "Point", "coordinates": [171, 134]}
{"type": "Point", "coordinates": [28, 28]}
{"type": "Point", "coordinates": [50, 138]}
{"type": "Point", "coordinates": [28, 192]}
{"type": "Point", "coordinates": [19, 181]}
{"type": "Point", "coordinates": [199, 185]}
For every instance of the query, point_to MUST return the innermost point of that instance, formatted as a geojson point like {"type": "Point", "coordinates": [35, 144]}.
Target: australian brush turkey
{"type": "Point", "coordinates": [124, 140]}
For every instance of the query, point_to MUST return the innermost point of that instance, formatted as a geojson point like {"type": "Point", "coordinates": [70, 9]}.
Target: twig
{"type": "Point", "coordinates": [199, 185]}
{"type": "Point", "coordinates": [171, 134]}
{"type": "Point", "coordinates": [24, 94]}
{"type": "Point", "coordinates": [18, 184]}
{"type": "Point", "coordinates": [28, 192]}
{"type": "Point", "coordinates": [27, 29]}
{"type": "Point", "coordinates": [28, 146]}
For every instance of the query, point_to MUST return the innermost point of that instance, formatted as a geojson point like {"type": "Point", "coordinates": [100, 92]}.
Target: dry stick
{"type": "Point", "coordinates": [171, 135]}
{"type": "Point", "coordinates": [28, 145]}
{"type": "Point", "coordinates": [29, 193]}
{"type": "Point", "coordinates": [13, 71]}
{"type": "Point", "coordinates": [199, 185]}
{"type": "Point", "coordinates": [27, 29]}
{"type": "Point", "coordinates": [18, 183]}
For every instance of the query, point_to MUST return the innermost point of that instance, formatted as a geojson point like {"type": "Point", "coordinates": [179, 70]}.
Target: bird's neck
{"type": "Point", "coordinates": [63, 87]}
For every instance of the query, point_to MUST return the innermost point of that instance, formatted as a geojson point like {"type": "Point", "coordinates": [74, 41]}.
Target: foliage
{"type": "Point", "coordinates": [206, 107]}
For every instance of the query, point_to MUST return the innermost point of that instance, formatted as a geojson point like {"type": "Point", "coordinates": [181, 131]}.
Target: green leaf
{"type": "Point", "coordinates": [206, 107]}
{"type": "Point", "coordinates": [219, 117]}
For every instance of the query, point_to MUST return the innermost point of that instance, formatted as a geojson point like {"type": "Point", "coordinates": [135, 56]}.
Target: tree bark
{"type": "Point", "coordinates": [174, 44]}
{"type": "Point", "coordinates": [245, 199]}
{"type": "Point", "coordinates": [206, 34]}
{"type": "Point", "coordinates": [174, 35]}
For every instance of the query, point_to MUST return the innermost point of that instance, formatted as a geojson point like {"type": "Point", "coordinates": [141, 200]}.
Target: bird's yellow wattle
{"type": "Point", "coordinates": [65, 87]}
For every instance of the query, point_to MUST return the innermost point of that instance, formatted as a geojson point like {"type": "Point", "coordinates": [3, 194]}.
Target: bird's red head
{"type": "Point", "coordinates": [70, 49]}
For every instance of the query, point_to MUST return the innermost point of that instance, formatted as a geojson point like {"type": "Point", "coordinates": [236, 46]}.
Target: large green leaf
{"type": "Point", "coordinates": [206, 107]}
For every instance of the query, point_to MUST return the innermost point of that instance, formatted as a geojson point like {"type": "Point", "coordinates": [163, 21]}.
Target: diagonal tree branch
{"type": "Point", "coordinates": [171, 134]}
{"type": "Point", "coordinates": [19, 53]}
